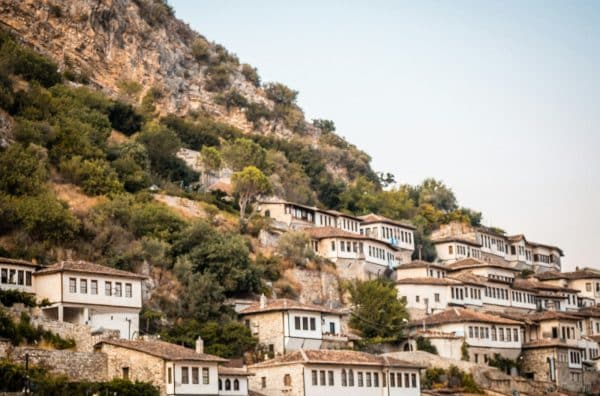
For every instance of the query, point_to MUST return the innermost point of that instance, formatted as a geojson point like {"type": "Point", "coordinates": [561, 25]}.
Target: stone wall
{"type": "Point", "coordinates": [274, 380]}
{"type": "Point", "coordinates": [535, 361]}
{"type": "Point", "coordinates": [318, 287]}
{"type": "Point", "coordinates": [270, 329]}
{"type": "Point", "coordinates": [77, 366]}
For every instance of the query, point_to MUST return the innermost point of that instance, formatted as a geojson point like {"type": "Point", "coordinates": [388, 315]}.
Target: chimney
{"type": "Point", "coordinates": [263, 301]}
{"type": "Point", "coordinates": [199, 345]}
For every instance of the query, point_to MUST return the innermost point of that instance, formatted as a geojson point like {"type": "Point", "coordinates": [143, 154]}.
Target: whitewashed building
{"type": "Point", "coordinates": [17, 275]}
{"type": "Point", "coordinates": [451, 249]}
{"type": "Point", "coordinates": [397, 233]}
{"type": "Point", "coordinates": [285, 325]}
{"type": "Point", "coordinates": [485, 334]}
{"type": "Point", "coordinates": [335, 373]}
{"type": "Point", "coordinates": [420, 269]}
{"type": "Point", "coordinates": [586, 281]}
{"type": "Point", "coordinates": [86, 293]}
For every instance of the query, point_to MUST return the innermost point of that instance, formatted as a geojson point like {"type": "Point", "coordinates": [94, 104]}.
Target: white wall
{"type": "Point", "coordinates": [243, 385]}
{"type": "Point", "coordinates": [327, 320]}
{"type": "Point", "coordinates": [424, 292]}
{"type": "Point", "coordinates": [48, 286]}
{"type": "Point", "coordinates": [127, 323]}
{"type": "Point", "coordinates": [462, 329]}
{"type": "Point", "coordinates": [135, 301]}
{"type": "Point", "coordinates": [193, 389]}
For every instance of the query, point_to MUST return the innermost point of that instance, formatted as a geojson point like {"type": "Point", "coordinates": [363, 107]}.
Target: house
{"type": "Point", "coordinates": [17, 275]}
{"type": "Point", "coordinates": [397, 233]}
{"type": "Point", "coordinates": [355, 255]}
{"type": "Point", "coordinates": [86, 293]}
{"type": "Point", "coordinates": [450, 249]}
{"type": "Point", "coordinates": [586, 280]}
{"type": "Point", "coordinates": [286, 325]}
{"type": "Point", "coordinates": [484, 333]}
{"type": "Point", "coordinates": [174, 369]}
{"type": "Point", "coordinates": [553, 361]}
{"type": "Point", "coordinates": [420, 269]}
{"type": "Point", "coordinates": [335, 373]}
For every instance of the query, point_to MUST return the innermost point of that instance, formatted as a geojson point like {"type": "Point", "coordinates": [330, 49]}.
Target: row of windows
{"type": "Point", "coordinates": [497, 334]}
{"type": "Point", "coordinates": [15, 277]}
{"type": "Point", "coordinates": [523, 297]}
{"type": "Point", "coordinates": [298, 213]}
{"type": "Point", "coordinates": [389, 233]}
{"type": "Point", "coordinates": [567, 333]}
{"type": "Point", "coordinates": [108, 287]}
{"type": "Point", "coordinates": [347, 224]}
{"type": "Point", "coordinates": [588, 287]}
{"type": "Point", "coordinates": [496, 292]}
{"type": "Point", "coordinates": [380, 253]}
{"type": "Point", "coordinates": [464, 250]}
{"type": "Point", "coordinates": [460, 293]}
{"type": "Point", "coordinates": [228, 383]}
{"type": "Point", "coordinates": [363, 379]}
{"type": "Point", "coordinates": [522, 252]}
{"type": "Point", "coordinates": [502, 278]}
{"type": "Point", "coordinates": [593, 353]}
{"type": "Point", "coordinates": [356, 247]}
{"type": "Point", "coordinates": [574, 357]}
{"type": "Point", "coordinates": [305, 321]}
{"type": "Point", "coordinates": [326, 220]}
{"type": "Point", "coordinates": [185, 375]}
{"type": "Point", "coordinates": [497, 243]}
{"type": "Point", "coordinates": [440, 274]}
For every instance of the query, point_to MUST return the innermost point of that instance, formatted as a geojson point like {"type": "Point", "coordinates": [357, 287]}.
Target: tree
{"type": "Point", "coordinates": [281, 94]}
{"type": "Point", "coordinates": [424, 344]}
{"type": "Point", "coordinates": [251, 74]}
{"type": "Point", "coordinates": [211, 161]}
{"type": "Point", "coordinates": [436, 193]}
{"type": "Point", "coordinates": [229, 340]}
{"type": "Point", "coordinates": [326, 126]}
{"type": "Point", "coordinates": [244, 152]}
{"type": "Point", "coordinates": [22, 170]}
{"type": "Point", "coordinates": [295, 246]}
{"type": "Point", "coordinates": [248, 185]}
{"type": "Point", "coordinates": [376, 310]}
{"type": "Point", "coordinates": [200, 50]}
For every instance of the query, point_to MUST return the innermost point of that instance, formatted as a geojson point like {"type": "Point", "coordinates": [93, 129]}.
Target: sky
{"type": "Point", "coordinates": [499, 99]}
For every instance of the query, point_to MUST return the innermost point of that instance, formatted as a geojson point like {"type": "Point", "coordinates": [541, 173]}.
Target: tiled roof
{"type": "Point", "coordinates": [524, 284]}
{"type": "Point", "coordinates": [516, 238]}
{"type": "Point", "coordinates": [548, 344]}
{"type": "Point", "coordinates": [552, 315]}
{"type": "Point", "coordinates": [554, 288]}
{"type": "Point", "coordinates": [535, 285]}
{"type": "Point", "coordinates": [88, 268]}
{"type": "Point", "coordinates": [593, 312]}
{"type": "Point", "coordinates": [469, 278]}
{"type": "Point", "coordinates": [164, 350]}
{"type": "Point", "coordinates": [6, 260]}
{"type": "Point", "coordinates": [375, 218]}
{"type": "Point", "coordinates": [474, 263]}
{"type": "Point", "coordinates": [455, 239]}
{"type": "Point", "coordinates": [234, 371]}
{"type": "Point", "coordinates": [332, 232]}
{"type": "Point", "coordinates": [586, 273]}
{"type": "Point", "coordinates": [420, 264]}
{"type": "Point", "coordinates": [285, 304]}
{"type": "Point", "coordinates": [326, 356]}
{"type": "Point", "coordinates": [428, 281]}
{"type": "Point", "coordinates": [459, 315]}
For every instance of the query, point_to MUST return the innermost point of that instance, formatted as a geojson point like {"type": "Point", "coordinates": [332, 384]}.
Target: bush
{"type": "Point", "coordinates": [26, 63]}
{"type": "Point", "coordinates": [154, 12]}
{"type": "Point", "coordinates": [295, 247]}
{"type": "Point", "coordinates": [22, 170]}
{"type": "Point", "coordinates": [96, 177]}
{"type": "Point", "coordinates": [24, 331]}
{"type": "Point", "coordinates": [218, 77]}
{"type": "Point", "coordinates": [424, 344]}
{"type": "Point", "coordinates": [204, 132]}
{"type": "Point", "coordinates": [8, 298]}
{"type": "Point", "coordinates": [255, 112]}
{"type": "Point", "coordinates": [251, 74]}
{"type": "Point", "coordinates": [124, 118]}
{"type": "Point", "coordinates": [232, 98]}
{"type": "Point", "coordinates": [201, 50]}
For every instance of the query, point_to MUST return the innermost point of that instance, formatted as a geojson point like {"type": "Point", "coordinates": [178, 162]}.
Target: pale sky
{"type": "Point", "coordinates": [499, 99]}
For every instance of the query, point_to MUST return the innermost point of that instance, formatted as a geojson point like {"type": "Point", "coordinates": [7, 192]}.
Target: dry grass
{"type": "Point", "coordinates": [78, 202]}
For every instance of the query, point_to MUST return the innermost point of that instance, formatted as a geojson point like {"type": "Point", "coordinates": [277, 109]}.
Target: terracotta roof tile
{"type": "Point", "coordinates": [428, 281]}
{"type": "Point", "coordinates": [459, 315]}
{"type": "Point", "coordinates": [284, 304]}
{"type": "Point", "coordinates": [375, 218]}
{"type": "Point", "coordinates": [6, 260]}
{"type": "Point", "coordinates": [234, 371]}
{"type": "Point", "coordinates": [586, 273]}
{"type": "Point", "coordinates": [326, 356]}
{"type": "Point", "coordinates": [164, 350]}
{"type": "Point", "coordinates": [88, 268]}
{"type": "Point", "coordinates": [474, 263]}
{"type": "Point", "coordinates": [552, 315]}
{"type": "Point", "coordinates": [420, 264]}
{"type": "Point", "coordinates": [469, 278]}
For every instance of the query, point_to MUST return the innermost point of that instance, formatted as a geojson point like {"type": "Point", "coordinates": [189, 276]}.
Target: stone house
{"type": "Point", "coordinates": [91, 294]}
{"type": "Point", "coordinates": [335, 373]}
{"type": "Point", "coordinates": [485, 334]}
{"type": "Point", "coordinates": [174, 369]}
{"type": "Point", "coordinates": [285, 325]}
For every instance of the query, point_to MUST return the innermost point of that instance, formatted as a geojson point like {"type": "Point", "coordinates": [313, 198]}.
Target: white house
{"type": "Point", "coordinates": [420, 269]}
{"type": "Point", "coordinates": [285, 325]}
{"type": "Point", "coordinates": [174, 369]}
{"type": "Point", "coordinates": [356, 256]}
{"type": "Point", "coordinates": [485, 334]}
{"type": "Point", "coordinates": [397, 233]}
{"type": "Point", "coordinates": [92, 294]}
{"type": "Point", "coordinates": [586, 280]}
{"type": "Point", "coordinates": [451, 249]}
{"type": "Point", "coordinates": [17, 275]}
{"type": "Point", "coordinates": [335, 373]}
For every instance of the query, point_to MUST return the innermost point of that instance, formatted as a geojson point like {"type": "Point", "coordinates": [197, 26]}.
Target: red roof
{"type": "Point", "coordinates": [284, 304]}
{"type": "Point", "coordinates": [460, 315]}
{"type": "Point", "coordinates": [372, 218]}
{"type": "Point", "coordinates": [164, 350]}
{"type": "Point", "coordinates": [87, 268]}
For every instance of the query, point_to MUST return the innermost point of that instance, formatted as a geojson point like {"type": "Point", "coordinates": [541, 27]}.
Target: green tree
{"type": "Point", "coordinates": [326, 126]}
{"type": "Point", "coordinates": [201, 50]}
{"type": "Point", "coordinates": [295, 247]}
{"type": "Point", "coordinates": [22, 170]}
{"type": "Point", "coordinates": [95, 176]}
{"type": "Point", "coordinates": [251, 74]}
{"type": "Point", "coordinates": [281, 94]}
{"type": "Point", "coordinates": [210, 159]}
{"type": "Point", "coordinates": [424, 344]}
{"type": "Point", "coordinates": [436, 193]}
{"type": "Point", "coordinates": [248, 185]}
{"type": "Point", "coordinates": [376, 310]}
{"type": "Point", "coordinates": [229, 340]}
{"type": "Point", "coordinates": [244, 152]}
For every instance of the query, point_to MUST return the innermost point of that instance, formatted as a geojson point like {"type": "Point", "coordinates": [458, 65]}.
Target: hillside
{"type": "Point", "coordinates": [96, 100]}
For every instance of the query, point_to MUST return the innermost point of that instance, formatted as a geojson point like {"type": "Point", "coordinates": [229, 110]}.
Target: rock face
{"type": "Point", "coordinates": [112, 41]}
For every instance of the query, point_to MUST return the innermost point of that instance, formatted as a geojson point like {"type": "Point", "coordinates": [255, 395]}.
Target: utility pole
{"type": "Point", "coordinates": [420, 247]}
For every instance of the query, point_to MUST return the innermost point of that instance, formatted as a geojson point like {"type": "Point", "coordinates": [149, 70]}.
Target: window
{"type": "Point", "coordinates": [470, 331]}
{"type": "Point", "coordinates": [516, 334]}
{"type": "Point", "coordinates": [436, 297]}
{"type": "Point", "coordinates": [417, 298]}
{"type": "Point", "coordinates": [118, 289]}
{"type": "Point", "coordinates": [236, 384]}
{"type": "Point", "coordinates": [333, 246]}
{"type": "Point", "coordinates": [399, 380]}
{"type": "Point", "coordinates": [21, 277]}
{"type": "Point", "coordinates": [392, 380]}
{"type": "Point", "coordinates": [344, 378]}
{"type": "Point", "coordinates": [450, 249]}
{"type": "Point", "coordinates": [125, 373]}
{"type": "Point", "coordinates": [28, 278]}
{"type": "Point", "coordinates": [360, 379]}
{"type": "Point", "coordinates": [476, 332]}
{"type": "Point", "coordinates": [185, 379]}
{"type": "Point", "coordinates": [322, 377]}
{"type": "Point", "coordinates": [83, 286]}
{"type": "Point", "coordinates": [314, 377]}
{"type": "Point", "coordinates": [588, 287]}
{"type": "Point", "coordinates": [376, 380]}
{"type": "Point", "coordinates": [4, 276]}
{"type": "Point", "coordinates": [493, 334]}
{"type": "Point", "coordinates": [72, 285]}
{"type": "Point", "coordinates": [287, 380]}
{"type": "Point", "coordinates": [305, 323]}
{"type": "Point", "coordinates": [332, 327]}
{"type": "Point", "coordinates": [508, 337]}
{"type": "Point", "coordinates": [227, 384]}
{"type": "Point", "coordinates": [330, 377]}
{"type": "Point", "coordinates": [94, 287]}
{"type": "Point", "coordinates": [195, 375]}
{"type": "Point", "coordinates": [313, 324]}
{"type": "Point", "coordinates": [205, 378]}
{"type": "Point", "coordinates": [263, 382]}
{"type": "Point", "coordinates": [128, 290]}
{"type": "Point", "coordinates": [350, 378]}
{"type": "Point", "coordinates": [170, 375]}
{"type": "Point", "coordinates": [369, 383]}
{"type": "Point", "coordinates": [342, 246]}
{"type": "Point", "coordinates": [413, 380]}
{"type": "Point", "coordinates": [297, 322]}
{"type": "Point", "coordinates": [107, 288]}
{"type": "Point", "coordinates": [555, 332]}
{"type": "Point", "coordinates": [501, 334]}
{"type": "Point", "coordinates": [406, 381]}
{"type": "Point", "coordinates": [11, 277]}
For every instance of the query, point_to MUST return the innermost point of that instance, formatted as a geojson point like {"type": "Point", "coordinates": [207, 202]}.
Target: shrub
{"type": "Point", "coordinates": [10, 297]}
{"type": "Point", "coordinates": [129, 88]}
{"type": "Point", "coordinates": [281, 94]}
{"type": "Point", "coordinates": [154, 12]}
{"type": "Point", "coordinates": [124, 118]}
{"type": "Point", "coordinates": [151, 96]}
{"type": "Point", "coordinates": [255, 112]}
{"type": "Point", "coordinates": [232, 98]}
{"type": "Point", "coordinates": [22, 170]}
{"type": "Point", "coordinates": [204, 132]}
{"type": "Point", "coordinates": [218, 77]}
{"type": "Point", "coordinates": [96, 176]}
{"type": "Point", "coordinates": [464, 352]}
{"type": "Point", "coordinates": [201, 50]}
{"type": "Point", "coordinates": [24, 331]}
{"type": "Point", "coordinates": [26, 63]}
{"type": "Point", "coordinates": [424, 344]}
{"type": "Point", "coordinates": [251, 74]}
{"type": "Point", "coordinates": [295, 247]}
